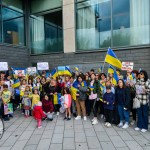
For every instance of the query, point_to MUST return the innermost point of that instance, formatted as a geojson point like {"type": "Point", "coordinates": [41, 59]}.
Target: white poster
{"type": "Point", "coordinates": [31, 70]}
{"type": "Point", "coordinates": [127, 66]}
{"type": "Point", "coordinates": [42, 66]}
{"type": "Point", "coordinates": [20, 73]}
{"type": "Point", "coordinates": [3, 66]}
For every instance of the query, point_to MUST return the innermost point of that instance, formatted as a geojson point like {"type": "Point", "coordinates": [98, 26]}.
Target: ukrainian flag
{"type": "Point", "coordinates": [115, 78]}
{"type": "Point", "coordinates": [76, 68]}
{"type": "Point", "coordinates": [54, 73]}
{"type": "Point", "coordinates": [16, 84]}
{"type": "Point", "coordinates": [73, 92]}
{"type": "Point", "coordinates": [67, 71]}
{"type": "Point", "coordinates": [110, 69]}
{"type": "Point", "coordinates": [131, 76]}
{"type": "Point", "coordinates": [56, 99]}
{"type": "Point", "coordinates": [61, 70]}
{"type": "Point", "coordinates": [112, 59]}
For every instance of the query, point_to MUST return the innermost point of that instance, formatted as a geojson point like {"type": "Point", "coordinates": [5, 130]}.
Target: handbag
{"type": "Point", "coordinates": [136, 103]}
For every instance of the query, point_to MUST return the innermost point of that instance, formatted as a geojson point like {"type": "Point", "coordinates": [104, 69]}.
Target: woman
{"type": "Point", "coordinates": [81, 97]}
{"type": "Point", "coordinates": [122, 97]}
{"type": "Point", "coordinates": [142, 90]}
{"type": "Point", "coordinates": [94, 97]}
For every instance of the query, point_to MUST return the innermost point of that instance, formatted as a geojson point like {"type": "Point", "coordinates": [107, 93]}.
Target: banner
{"type": "Point", "coordinates": [31, 70]}
{"type": "Point", "coordinates": [8, 109]}
{"type": "Point", "coordinates": [3, 66]}
{"type": "Point", "coordinates": [127, 66]}
{"type": "Point", "coordinates": [42, 66]}
{"type": "Point", "coordinates": [20, 73]}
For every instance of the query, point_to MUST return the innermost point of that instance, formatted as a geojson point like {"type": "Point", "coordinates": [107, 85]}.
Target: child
{"type": "Point", "coordinates": [48, 107]}
{"type": "Point", "coordinates": [38, 114]}
{"type": "Point", "coordinates": [67, 103]}
{"type": "Point", "coordinates": [6, 95]}
{"type": "Point", "coordinates": [108, 100]}
{"type": "Point", "coordinates": [26, 101]}
{"type": "Point", "coordinates": [35, 98]}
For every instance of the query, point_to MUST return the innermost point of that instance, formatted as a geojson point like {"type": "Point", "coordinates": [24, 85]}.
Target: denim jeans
{"type": "Point", "coordinates": [123, 114]}
{"type": "Point", "coordinates": [142, 113]}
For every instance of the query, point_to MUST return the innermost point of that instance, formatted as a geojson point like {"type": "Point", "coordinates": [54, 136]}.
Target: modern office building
{"type": "Point", "coordinates": [69, 32]}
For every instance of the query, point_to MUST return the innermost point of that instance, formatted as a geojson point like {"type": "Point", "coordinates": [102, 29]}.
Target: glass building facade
{"type": "Point", "coordinates": [114, 23]}
{"type": "Point", "coordinates": [99, 24]}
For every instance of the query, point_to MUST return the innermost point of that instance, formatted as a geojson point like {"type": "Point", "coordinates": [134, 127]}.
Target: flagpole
{"type": "Point", "coordinates": [103, 67]}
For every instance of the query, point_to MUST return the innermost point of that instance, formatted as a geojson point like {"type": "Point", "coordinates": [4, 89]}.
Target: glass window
{"type": "Point", "coordinates": [46, 33]}
{"type": "Point", "coordinates": [94, 19]}
{"type": "Point", "coordinates": [44, 5]}
{"type": "Point", "coordinates": [13, 27]}
{"type": "Point", "coordinates": [14, 4]}
{"type": "Point", "coordinates": [104, 23]}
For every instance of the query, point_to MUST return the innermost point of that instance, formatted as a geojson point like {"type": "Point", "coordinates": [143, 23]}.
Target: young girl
{"type": "Point", "coordinates": [35, 98]}
{"type": "Point", "coordinates": [38, 114]}
{"type": "Point", "coordinates": [26, 101]}
{"type": "Point", "coordinates": [48, 107]}
{"type": "Point", "coordinates": [67, 103]}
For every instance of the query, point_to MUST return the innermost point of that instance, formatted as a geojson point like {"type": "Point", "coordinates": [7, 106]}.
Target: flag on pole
{"type": "Point", "coordinates": [115, 78]}
{"type": "Point", "coordinates": [54, 73]}
{"type": "Point", "coordinates": [110, 69]}
{"type": "Point", "coordinates": [67, 71]}
{"type": "Point", "coordinates": [16, 84]}
{"type": "Point", "coordinates": [112, 59]}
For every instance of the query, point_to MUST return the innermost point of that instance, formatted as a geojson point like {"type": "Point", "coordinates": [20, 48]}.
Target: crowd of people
{"type": "Point", "coordinates": [79, 96]}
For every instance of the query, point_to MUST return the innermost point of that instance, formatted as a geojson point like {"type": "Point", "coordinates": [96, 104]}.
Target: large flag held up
{"type": "Point", "coordinates": [112, 59]}
{"type": "Point", "coordinates": [54, 73]}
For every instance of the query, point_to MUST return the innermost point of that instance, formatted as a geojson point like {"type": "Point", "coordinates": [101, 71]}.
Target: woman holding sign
{"type": "Point", "coordinates": [142, 90]}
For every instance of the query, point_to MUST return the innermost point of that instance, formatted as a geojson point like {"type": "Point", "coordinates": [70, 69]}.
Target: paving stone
{"type": "Point", "coordinates": [102, 136]}
{"type": "Point", "coordinates": [47, 134]}
{"type": "Point", "coordinates": [123, 148]}
{"type": "Point", "coordinates": [69, 133]}
{"type": "Point", "coordinates": [107, 146]}
{"type": "Point", "coordinates": [19, 145]}
{"type": "Point", "coordinates": [81, 146]}
{"type": "Point", "coordinates": [80, 137]}
{"type": "Point", "coordinates": [44, 144]}
{"type": "Point", "coordinates": [6, 136]}
{"type": "Point", "coordinates": [30, 147]}
{"type": "Point", "coordinates": [34, 139]}
{"type": "Point", "coordinates": [146, 148]}
{"type": "Point", "coordinates": [10, 141]}
{"type": "Point", "coordinates": [117, 141]}
{"type": "Point", "coordinates": [59, 129]}
{"type": "Point", "coordinates": [5, 148]}
{"type": "Point", "coordinates": [125, 135]}
{"type": "Point", "coordinates": [68, 144]}
{"type": "Point", "coordinates": [26, 135]}
{"type": "Point", "coordinates": [57, 138]}
{"type": "Point", "coordinates": [133, 145]}
{"type": "Point", "coordinates": [12, 128]}
{"type": "Point", "coordinates": [98, 127]}
{"type": "Point", "coordinates": [93, 143]}
{"type": "Point", "coordinates": [111, 131]}
{"type": "Point", "coordinates": [90, 132]}
{"type": "Point", "coordinates": [55, 147]}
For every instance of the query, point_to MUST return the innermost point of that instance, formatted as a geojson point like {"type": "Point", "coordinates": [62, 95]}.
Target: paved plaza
{"type": "Point", "coordinates": [21, 133]}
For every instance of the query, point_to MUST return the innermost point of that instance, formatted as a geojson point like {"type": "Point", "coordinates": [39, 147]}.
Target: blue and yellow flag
{"type": "Point", "coordinates": [56, 98]}
{"type": "Point", "coordinates": [112, 59]}
{"type": "Point", "coordinates": [73, 92]}
{"type": "Point", "coordinates": [16, 84]}
{"type": "Point", "coordinates": [67, 71]}
{"type": "Point", "coordinates": [61, 70]}
{"type": "Point", "coordinates": [115, 78]}
{"type": "Point", "coordinates": [110, 69]}
{"type": "Point", "coordinates": [131, 76]}
{"type": "Point", "coordinates": [54, 73]}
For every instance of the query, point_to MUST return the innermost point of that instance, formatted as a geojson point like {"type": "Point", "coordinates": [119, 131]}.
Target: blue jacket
{"type": "Point", "coordinates": [110, 98]}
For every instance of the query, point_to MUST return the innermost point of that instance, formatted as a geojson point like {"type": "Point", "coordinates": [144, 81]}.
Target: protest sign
{"type": "Point", "coordinates": [3, 66]}
{"type": "Point", "coordinates": [127, 66]}
{"type": "Point", "coordinates": [42, 66]}
{"type": "Point", "coordinates": [19, 73]}
{"type": "Point", "coordinates": [8, 109]}
{"type": "Point", "coordinates": [31, 70]}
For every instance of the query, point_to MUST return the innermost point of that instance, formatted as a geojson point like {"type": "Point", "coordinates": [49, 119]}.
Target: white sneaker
{"type": "Point", "coordinates": [39, 127]}
{"type": "Point", "coordinates": [125, 126]}
{"type": "Point", "coordinates": [136, 129]}
{"type": "Point", "coordinates": [95, 122]}
{"type": "Point", "coordinates": [78, 118]}
{"type": "Point", "coordinates": [143, 130]}
{"type": "Point", "coordinates": [93, 119]}
{"type": "Point", "coordinates": [57, 113]}
{"type": "Point", "coordinates": [108, 125]}
{"type": "Point", "coordinates": [120, 124]}
{"type": "Point", "coordinates": [84, 118]}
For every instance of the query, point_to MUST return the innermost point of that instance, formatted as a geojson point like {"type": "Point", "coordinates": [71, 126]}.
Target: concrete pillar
{"type": "Point", "coordinates": [69, 26]}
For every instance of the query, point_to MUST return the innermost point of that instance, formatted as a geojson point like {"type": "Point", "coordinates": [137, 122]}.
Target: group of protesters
{"type": "Point", "coordinates": [81, 95]}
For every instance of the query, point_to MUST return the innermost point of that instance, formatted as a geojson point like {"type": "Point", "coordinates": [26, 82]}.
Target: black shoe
{"type": "Point", "coordinates": [65, 118]}
{"type": "Point", "coordinates": [68, 118]}
{"type": "Point", "coordinates": [11, 116]}
{"type": "Point", "coordinates": [74, 115]}
{"type": "Point", "coordinates": [6, 119]}
{"type": "Point", "coordinates": [51, 119]}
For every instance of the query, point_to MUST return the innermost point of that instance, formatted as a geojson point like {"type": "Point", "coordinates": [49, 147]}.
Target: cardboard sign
{"type": "Point", "coordinates": [42, 66]}
{"type": "Point", "coordinates": [20, 73]}
{"type": "Point", "coordinates": [8, 109]}
{"type": "Point", "coordinates": [3, 66]}
{"type": "Point", "coordinates": [31, 70]}
{"type": "Point", "coordinates": [127, 66]}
